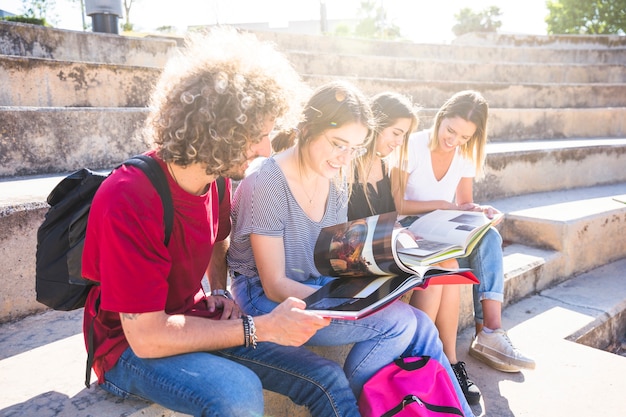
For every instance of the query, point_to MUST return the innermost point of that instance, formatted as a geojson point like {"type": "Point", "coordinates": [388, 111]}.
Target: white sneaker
{"type": "Point", "coordinates": [497, 351]}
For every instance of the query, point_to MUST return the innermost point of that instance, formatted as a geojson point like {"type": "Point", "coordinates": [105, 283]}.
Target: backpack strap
{"type": "Point", "coordinates": [221, 185]}
{"type": "Point", "coordinates": [153, 171]}
{"type": "Point", "coordinates": [157, 177]}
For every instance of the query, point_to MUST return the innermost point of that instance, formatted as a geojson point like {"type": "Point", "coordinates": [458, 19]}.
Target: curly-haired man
{"type": "Point", "coordinates": [158, 336]}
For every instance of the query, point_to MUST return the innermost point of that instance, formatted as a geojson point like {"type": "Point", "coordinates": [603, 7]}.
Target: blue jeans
{"type": "Point", "coordinates": [486, 261]}
{"type": "Point", "coordinates": [397, 330]}
{"type": "Point", "coordinates": [216, 384]}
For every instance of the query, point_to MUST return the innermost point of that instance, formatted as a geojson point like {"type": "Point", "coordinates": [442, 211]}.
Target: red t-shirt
{"type": "Point", "coordinates": [125, 251]}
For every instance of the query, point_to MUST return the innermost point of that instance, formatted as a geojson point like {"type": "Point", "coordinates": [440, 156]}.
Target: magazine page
{"type": "Point", "coordinates": [354, 297]}
{"type": "Point", "coordinates": [362, 247]}
{"type": "Point", "coordinates": [450, 226]}
{"type": "Point", "coordinates": [447, 233]}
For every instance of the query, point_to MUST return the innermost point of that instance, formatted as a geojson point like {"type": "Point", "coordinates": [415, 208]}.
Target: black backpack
{"type": "Point", "coordinates": [60, 238]}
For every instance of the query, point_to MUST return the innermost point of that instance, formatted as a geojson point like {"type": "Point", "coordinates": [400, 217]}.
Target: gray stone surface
{"type": "Point", "coordinates": [42, 360]}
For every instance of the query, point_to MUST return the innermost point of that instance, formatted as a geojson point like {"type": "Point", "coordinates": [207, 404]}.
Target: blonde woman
{"type": "Point", "coordinates": [443, 162]}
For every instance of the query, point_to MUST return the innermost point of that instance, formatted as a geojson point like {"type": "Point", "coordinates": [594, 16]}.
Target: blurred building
{"type": "Point", "coordinates": [303, 27]}
{"type": "Point", "coordinates": [4, 13]}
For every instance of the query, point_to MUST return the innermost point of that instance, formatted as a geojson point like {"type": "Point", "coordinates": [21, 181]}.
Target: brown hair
{"type": "Point", "coordinates": [330, 107]}
{"type": "Point", "coordinates": [387, 108]}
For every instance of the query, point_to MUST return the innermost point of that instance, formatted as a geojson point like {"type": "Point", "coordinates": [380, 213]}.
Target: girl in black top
{"type": "Point", "coordinates": [371, 194]}
{"type": "Point", "coordinates": [375, 186]}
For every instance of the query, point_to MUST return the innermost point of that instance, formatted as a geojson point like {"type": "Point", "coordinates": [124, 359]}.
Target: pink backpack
{"type": "Point", "coordinates": [410, 387]}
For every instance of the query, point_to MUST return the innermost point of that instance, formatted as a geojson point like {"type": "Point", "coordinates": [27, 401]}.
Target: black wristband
{"type": "Point", "coordinates": [246, 331]}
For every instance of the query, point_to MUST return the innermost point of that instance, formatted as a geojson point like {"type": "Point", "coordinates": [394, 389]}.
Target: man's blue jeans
{"type": "Point", "coordinates": [397, 330]}
{"type": "Point", "coordinates": [216, 384]}
{"type": "Point", "coordinates": [486, 261]}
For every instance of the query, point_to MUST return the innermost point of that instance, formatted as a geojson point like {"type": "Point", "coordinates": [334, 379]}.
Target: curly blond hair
{"type": "Point", "coordinates": [214, 98]}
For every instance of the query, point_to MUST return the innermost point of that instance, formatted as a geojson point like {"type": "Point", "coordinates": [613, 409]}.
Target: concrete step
{"type": "Point", "coordinates": [556, 327]}
{"type": "Point", "coordinates": [43, 82]}
{"type": "Point", "coordinates": [54, 83]}
{"type": "Point", "coordinates": [517, 124]}
{"type": "Point", "coordinates": [68, 45]}
{"type": "Point", "coordinates": [49, 140]}
{"type": "Point", "coordinates": [585, 42]}
{"type": "Point", "coordinates": [464, 52]}
{"type": "Point", "coordinates": [514, 168]}
{"type": "Point", "coordinates": [524, 268]}
{"type": "Point", "coordinates": [563, 329]}
{"type": "Point", "coordinates": [417, 68]}
{"type": "Point", "coordinates": [506, 95]}
{"type": "Point", "coordinates": [22, 209]}
{"type": "Point", "coordinates": [48, 82]}
{"type": "Point", "coordinates": [584, 225]}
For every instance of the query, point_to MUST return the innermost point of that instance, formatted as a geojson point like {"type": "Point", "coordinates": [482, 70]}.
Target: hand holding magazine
{"type": "Point", "coordinates": [371, 273]}
{"type": "Point", "coordinates": [444, 234]}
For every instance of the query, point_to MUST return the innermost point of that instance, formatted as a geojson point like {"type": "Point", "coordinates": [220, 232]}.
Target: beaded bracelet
{"type": "Point", "coordinates": [253, 338]}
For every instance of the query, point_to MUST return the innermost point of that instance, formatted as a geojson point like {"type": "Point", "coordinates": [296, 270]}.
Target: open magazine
{"type": "Point", "coordinates": [371, 272]}
{"type": "Point", "coordinates": [444, 234]}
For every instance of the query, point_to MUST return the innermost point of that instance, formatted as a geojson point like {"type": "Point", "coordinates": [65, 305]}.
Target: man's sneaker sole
{"type": "Point", "coordinates": [493, 361]}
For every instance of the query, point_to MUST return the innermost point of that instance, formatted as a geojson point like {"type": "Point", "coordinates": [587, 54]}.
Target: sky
{"type": "Point", "coordinates": [419, 20]}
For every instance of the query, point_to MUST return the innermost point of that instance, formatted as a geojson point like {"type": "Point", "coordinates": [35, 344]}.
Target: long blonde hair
{"type": "Point", "coordinates": [471, 106]}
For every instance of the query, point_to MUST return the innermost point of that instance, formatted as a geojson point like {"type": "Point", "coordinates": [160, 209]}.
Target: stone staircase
{"type": "Point", "coordinates": [555, 163]}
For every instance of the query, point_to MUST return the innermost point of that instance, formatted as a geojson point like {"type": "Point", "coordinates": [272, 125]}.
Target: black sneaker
{"type": "Point", "coordinates": [470, 390]}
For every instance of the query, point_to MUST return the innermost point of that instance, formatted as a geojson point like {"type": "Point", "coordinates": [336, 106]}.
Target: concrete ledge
{"type": "Point", "coordinates": [516, 168]}
{"type": "Point", "coordinates": [55, 142]}
{"type": "Point", "coordinates": [419, 68]}
{"type": "Point", "coordinates": [43, 82]}
{"type": "Point", "coordinates": [514, 124]}
{"type": "Point", "coordinates": [530, 222]}
{"type": "Point", "coordinates": [498, 94]}
{"type": "Point", "coordinates": [585, 225]}
{"type": "Point", "coordinates": [484, 53]}
{"type": "Point", "coordinates": [585, 42]}
{"type": "Point", "coordinates": [68, 45]}
{"type": "Point", "coordinates": [51, 140]}
{"type": "Point", "coordinates": [541, 325]}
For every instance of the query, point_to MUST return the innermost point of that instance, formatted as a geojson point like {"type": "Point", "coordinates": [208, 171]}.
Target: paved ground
{"type": "Point", "coordinates": [42, 359]}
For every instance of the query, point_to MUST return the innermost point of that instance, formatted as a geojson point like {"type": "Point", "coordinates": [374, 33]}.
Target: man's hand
{"type": "Point", "coordinates": [289, 324]}
{"type": "Point", "coordinates": [230, 309]}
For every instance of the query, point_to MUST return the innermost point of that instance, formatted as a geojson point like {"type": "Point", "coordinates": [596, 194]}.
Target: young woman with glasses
{"type": "Point", "coordinates": [278, 212]}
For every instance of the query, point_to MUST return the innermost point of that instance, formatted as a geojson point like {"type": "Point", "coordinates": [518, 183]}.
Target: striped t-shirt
{"type": "Point", "coordinates": [263, 204]}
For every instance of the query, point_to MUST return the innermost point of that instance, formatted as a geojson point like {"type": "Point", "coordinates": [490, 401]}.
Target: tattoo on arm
{"type": "Point", "coordinates": [129, 316]}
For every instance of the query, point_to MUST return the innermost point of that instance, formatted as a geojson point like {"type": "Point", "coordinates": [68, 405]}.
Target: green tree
{"type": "Point", "coordinates": [483, 21]}
{"type": "Point", "coordinates": [374, 22]}
{"type": "Point", "coordinates": [342, 30]}
{"type": "Point", "coordinates": [127, 26]}
{"type": "Point", "coordinates": [39, 9]}
{"type": "Point", "coordinates": [166, 29]}
{"type": "Point", "coordinates": [597, 17]}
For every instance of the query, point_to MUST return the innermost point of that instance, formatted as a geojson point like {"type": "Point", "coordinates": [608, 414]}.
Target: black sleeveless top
{"type": "Point", "coordinates": [381, 201]}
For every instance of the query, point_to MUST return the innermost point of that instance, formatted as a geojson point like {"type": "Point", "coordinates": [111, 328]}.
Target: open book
{"type": "Point", "coordinates": [371, 272]}
{"type": "Point", "coordinates": [444, 234]}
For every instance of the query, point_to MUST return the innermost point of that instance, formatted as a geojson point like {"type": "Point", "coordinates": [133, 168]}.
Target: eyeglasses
{"type": "Point", "coordinates": [340, 149]}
